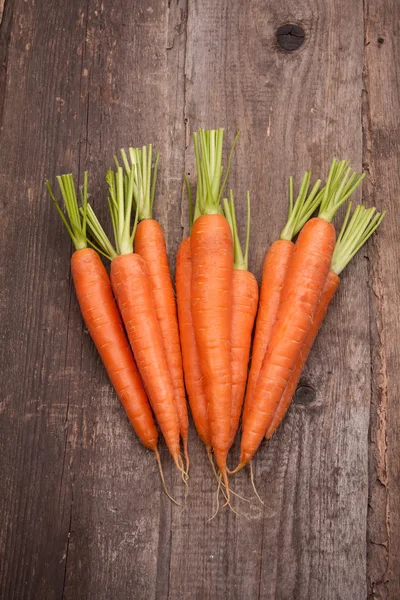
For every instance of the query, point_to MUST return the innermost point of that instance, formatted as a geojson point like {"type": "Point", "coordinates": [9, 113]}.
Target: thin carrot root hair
{"type": "Point", "coordinates": [184, 475]}
{"type": "Point", "coordinates": [209, 454]}
{"type": "Point", "coordinates": [254, 485]}
{"type": "Point", "coordinates": [186, 456]}
{"type": "Point", "coordinates": [225, 482]}
{"type": "Point", "coordinates": [158, 459]}
{"type": "Point", "coordinates": [221, 485]}
{"type": "Point", "coordinates": [218, 490]}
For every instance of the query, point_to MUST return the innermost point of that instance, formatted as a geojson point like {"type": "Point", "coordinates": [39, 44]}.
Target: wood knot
{"type": "Point", "coordinates": [290, 37]}
{"type": "Point", "coordinates": [304, 394]}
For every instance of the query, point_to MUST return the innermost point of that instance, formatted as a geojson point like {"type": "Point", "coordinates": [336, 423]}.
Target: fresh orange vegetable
{"type": "Point", "coordinates": [211, 291]}
{"type": "Point", "coordinates": [244, 309]}
{"type": "Point", "coordinates": [211, 304]}
{"type": "Point", "coordinates": [301, 293]}
{"type": "Point", "coordinates": [191, 365]}
{"type": "Point", "coordinates": [352, 237]}
{"type": "Point", "coordinates": [132, 289]}
{"type": "Point", "coordinates": [100, 313]}
{"type": "Point", "coordinates": [150, 245]}
{"type": "Point", "coordinates": [275, 267]}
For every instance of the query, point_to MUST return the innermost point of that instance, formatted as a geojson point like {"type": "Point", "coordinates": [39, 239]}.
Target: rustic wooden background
{"type": "Point", "coordinates": [81, 508]}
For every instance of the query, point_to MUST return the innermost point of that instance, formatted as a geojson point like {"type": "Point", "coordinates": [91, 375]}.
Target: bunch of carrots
{"type": "Point", "coordinates": [157, 346]}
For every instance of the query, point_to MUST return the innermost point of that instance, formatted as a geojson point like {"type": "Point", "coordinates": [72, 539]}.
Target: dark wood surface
{"type": "Point", "coordinates": [82, 514]}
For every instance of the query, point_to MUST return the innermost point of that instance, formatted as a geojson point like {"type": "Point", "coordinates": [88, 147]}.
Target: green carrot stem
{"type": "Point", "coordinates": [305, 205]}
{"type": "Point", "coordinates": [341, 183]}
{"type": "Point", "coordinates": [121, 204]}
{"type": "Point", "coordinates": [240, 260]}
{"type": "Point", "coordinates": [76, 220]}
{"type": "Point", "coordinates": [143, 175]}
{"type": "Point", "coordinates": [208, 146]}
{"type": "Point", "coordinates": [102, 244]}
{"type": "Point", "coordinates": [354, 233]}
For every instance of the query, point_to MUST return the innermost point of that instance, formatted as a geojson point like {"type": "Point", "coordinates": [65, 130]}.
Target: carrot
{"type": "Point", "coordinates": [275, 267]}
{"type": "Point", "coordinates": [353, 235]}
{"type": "Point", "coordinates": [191, 363]}
{"type": "Point", "coordinates": [100, 313]}
{"type": "Point", "coordinates": [150, 245]}
{"type": "Point", "coordinates": [211, 290]}
{"type": "Point", "coordinates": [244, 309]}
{"type": "Point", "coordinates": [131, 284]}
{"type": "Point", "coordinates": [301, 293]}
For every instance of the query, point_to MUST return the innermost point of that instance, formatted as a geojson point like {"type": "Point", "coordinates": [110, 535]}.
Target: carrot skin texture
{"type": "Point", "coordinates": [100, 313]}
{"type": "Point", "coordinates": [300, 296]}
{"type": "Point", "coordinates": [331, 285]}
{"type": "Point", "coordinates": [244, 309]}
{"type": "Point", "coordinates": [211, 289]}
{"type": "Point", "coordinates": [150, 245]}
{"type": "Point", "coordinates": [191, 364]}
{"type": "Point", "coordinates": [275, 267]}
{"type": "Point", "coordinates": [131, 285]}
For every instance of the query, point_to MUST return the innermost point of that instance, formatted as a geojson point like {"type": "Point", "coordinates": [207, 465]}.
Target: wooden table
{"type": "Point", "coordinates": [81, 506]}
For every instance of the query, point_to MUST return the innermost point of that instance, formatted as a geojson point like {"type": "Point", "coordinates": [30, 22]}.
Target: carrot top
{"type": "Point", "coordinates": [208, 145]}
{"type": "Point", "coordinates": [340, 184]}
{"type": "Point", "coordinates": [144, 176]}
{"type": "Point", "coordinates": [353, 234]}
{"type": "Point", "coordinates": [76, 219]}
{"type": "Point", "coordinates": [121, 205]}
{"type": "Point", "coordinates": [304, 206]}
{"type": "Point", "coordinates": [240, 260]}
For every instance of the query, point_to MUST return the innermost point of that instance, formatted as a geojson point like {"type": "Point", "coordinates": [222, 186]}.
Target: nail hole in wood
{"type": "Point", "coordinates": [305, 394]}
{"type": "Point", "coordinates": [290, 37]}
{"type": "Point", "coordinates": [380, 41]}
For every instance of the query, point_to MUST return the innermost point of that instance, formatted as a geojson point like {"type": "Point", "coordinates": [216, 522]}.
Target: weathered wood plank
{"type": "Point", "coordinates": [381, 158]}
{"type": "Point", "coordinates": [41, 370]}
{"type": "Point", "coordinates": [82, 507]}
{"type": "Point", "coordinates": [81, 510]}
{"type": "Point", "coordinates": [294, 110]}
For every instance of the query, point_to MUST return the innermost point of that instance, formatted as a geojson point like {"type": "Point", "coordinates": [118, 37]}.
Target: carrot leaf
{"type": "Point", "coordinates": [341, 183]}
{"type": "Point", "coordinates": [240, 260]}
{"type": "Point", "coordinates": [305, 205]}
{"type": "Point", "coordinates": [143, 176]}
{"type": "Point", "coordinates": [102, 242]}
{"type": "Point", "coordinates": [121, 205]}
{"type": "Point", "coordinates": [208, 146]}
{"type": "Point", "coordinates": [75, 219]}
{"type": "Point", "coordinates": [354, 233]}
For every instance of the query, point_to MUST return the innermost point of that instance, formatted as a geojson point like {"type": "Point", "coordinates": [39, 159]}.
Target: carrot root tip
{"type": "Point", "coordinates": [254, 485]}
{"type": "Point", "coordinates": [217, 508]}
{"type": "Point", "coordinates": [186, 456]}
{"type": "Point", "coordinates": [238, 468]}
{"type": "Point", "coordinates": [158, 459]}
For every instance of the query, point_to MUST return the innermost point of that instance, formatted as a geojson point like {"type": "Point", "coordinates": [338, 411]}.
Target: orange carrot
{"type": "Point", "coordinates": [150, 245]}
{"type": "Point", "coordinates": [244, 309]}
{"type": "Point", "coordinates": [100, 313]}
{"type": "Point", "coordinates": [352, 237]}
{"type": "Point", "coordinates": [132, 289]}
{"type": "Point", "coordinates": [191, 365]}
{"type": "Point", "coordinates": [301, 293]}
{"type": "Point", "coordinates": [211, 291]}
{"type": "Point", "coordinates": [275, 267]}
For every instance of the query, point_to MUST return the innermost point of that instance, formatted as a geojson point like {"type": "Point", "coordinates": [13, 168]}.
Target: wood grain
{"type": "Point", "coordinates": [81, 510]}
{"type": "Point", "coordinates": [292, 110]}
{"type": "Point", "coordinates": [381, 161]}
